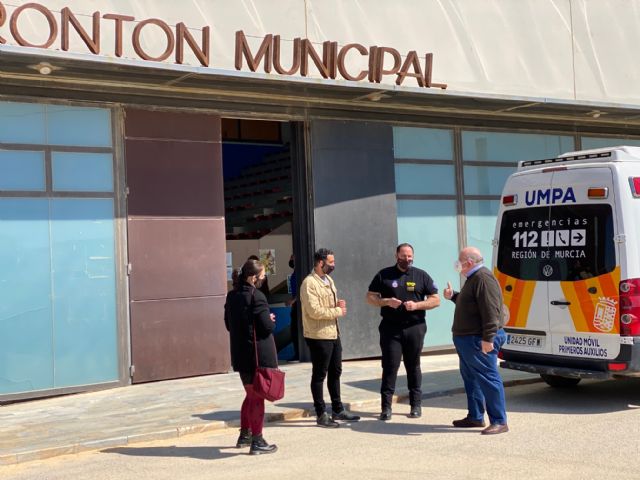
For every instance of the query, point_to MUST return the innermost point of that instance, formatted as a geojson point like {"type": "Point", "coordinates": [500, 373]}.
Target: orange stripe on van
{"type": "Point", "coordinates": [503, 280]}
{"type": "Point", "coordinates": [518, 300]}
{"type": "Point", "coordinates": [501, 277]}
{"type": "Point", "coordinates": [525, 303]}
{"type": "Point", "coordinates": [610, 282]}
{"type": "Point", "coordinates": [584, 305]}
{"type": "Point", "coordinates": [575, 309]}
{"type": "Point", "coordinates": [585, 301]}
{"type": "Point", "coordinates": [608, 297]}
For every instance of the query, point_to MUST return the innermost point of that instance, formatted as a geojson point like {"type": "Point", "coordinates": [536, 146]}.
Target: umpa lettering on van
{"type": "Point", "coordinates": [549, 196]}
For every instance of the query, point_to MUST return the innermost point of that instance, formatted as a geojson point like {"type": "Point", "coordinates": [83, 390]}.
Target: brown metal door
{"type": "Point", "coordinates": [176, 241]}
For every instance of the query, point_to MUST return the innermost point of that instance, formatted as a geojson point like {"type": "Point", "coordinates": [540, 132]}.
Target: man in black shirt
{"type": "Point", "coordinates": [403, 293]}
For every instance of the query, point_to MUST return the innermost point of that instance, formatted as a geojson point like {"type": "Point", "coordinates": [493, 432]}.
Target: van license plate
{"type": "Point", "coordinates": [530, 341]}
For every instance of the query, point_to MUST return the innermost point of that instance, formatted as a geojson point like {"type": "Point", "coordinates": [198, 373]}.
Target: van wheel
{"type": "Point", "coordinates": [560, 382]}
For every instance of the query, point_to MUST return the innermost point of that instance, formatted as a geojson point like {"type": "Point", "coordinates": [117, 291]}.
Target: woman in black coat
{"type": "Point", "coordinates": [245, 307]}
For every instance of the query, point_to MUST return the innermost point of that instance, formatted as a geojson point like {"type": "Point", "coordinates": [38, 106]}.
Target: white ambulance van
{"type": "Point", "coordinates": [567, 257]}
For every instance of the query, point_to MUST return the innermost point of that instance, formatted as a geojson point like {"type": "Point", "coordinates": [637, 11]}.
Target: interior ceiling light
{"type": "Point", "coordinates": [596, 113]}
{"type": "Point", "coordinates": [44, 68]}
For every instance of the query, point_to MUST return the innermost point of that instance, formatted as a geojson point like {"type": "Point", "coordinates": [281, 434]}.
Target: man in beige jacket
{"type": "Point", "coordinates": [320, 311]}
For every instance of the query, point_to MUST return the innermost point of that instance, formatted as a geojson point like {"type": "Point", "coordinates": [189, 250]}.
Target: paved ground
{"type": "Point", "coordinates": [590, 432]}
{"type": "Point", "coordinates": [167, 410]}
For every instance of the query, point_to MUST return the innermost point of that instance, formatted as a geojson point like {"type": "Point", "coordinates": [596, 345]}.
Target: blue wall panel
{"type": "Point", "coordinates": [22, 170]}
{"type": "Point", "coordinates": [26, 346]}
{"type": "Point", "coordinates": [82, 246]}
{"type": "Point", "coordinates": [430, 226]}
{"type": "Point", "coordinates": [58, 325]}
{"type": "Point", "coordinates": [82, 172]}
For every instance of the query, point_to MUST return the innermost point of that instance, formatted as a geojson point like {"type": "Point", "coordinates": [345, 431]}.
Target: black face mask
{"type": "Point", "coordinates": [292, 264]}
{"type": "Point", "coordinates": [327, 269]}
{"type": "Point", "coordinates": [405, 264]}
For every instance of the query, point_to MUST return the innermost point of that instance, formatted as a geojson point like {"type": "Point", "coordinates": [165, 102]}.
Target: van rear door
{"type": "Point", "coordinates": [519, 260]}
{"type": "Point", "coordinates": [582, 272]}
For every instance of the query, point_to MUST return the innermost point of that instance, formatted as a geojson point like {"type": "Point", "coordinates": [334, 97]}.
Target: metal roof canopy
{"type": "Point", "coordinates": [197, 87]}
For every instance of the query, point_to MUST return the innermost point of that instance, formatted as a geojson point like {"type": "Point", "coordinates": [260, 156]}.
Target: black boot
{"type": "Point", "coordinates": [324, 420]}
{"type": "Point", "coordinates": [385, 415]}
{"type": "Point", "coordinates": [244, 440]}
{"type": "Point", "coordinates": [416, 411]}
{"type": "Point", "coordinates": [259, 446]}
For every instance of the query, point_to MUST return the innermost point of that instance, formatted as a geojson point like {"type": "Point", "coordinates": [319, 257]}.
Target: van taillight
{"type": "Point", "coordinates": [635, 186]}
{"type": "Point", "coordinates": [509, 200]}
{"type": "Point", "coordinates": [630, 307]}
{"type": "Point", "coordinates": [597, 192]}
{"type": "Point", "coordinates": [617, 366]}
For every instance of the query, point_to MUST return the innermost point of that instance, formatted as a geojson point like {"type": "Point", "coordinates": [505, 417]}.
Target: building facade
{"type": "Point", "coordinates": [377, 124]}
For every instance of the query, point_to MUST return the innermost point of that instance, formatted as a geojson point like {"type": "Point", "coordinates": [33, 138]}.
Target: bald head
{"type": "Point", "coordinates": [471, 253]}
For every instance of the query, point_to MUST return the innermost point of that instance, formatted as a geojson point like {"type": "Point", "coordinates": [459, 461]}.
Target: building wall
{"type": "Point", "coordinates": [176, 243]}
{"type": "Point", "coordinates": [374, 185]}
{"type": "Point", "coordinates": [57, 238]}
{"type": "Point", "coordinates": [355, 216]}
{"type": "Point", "coordinates": [437, 188]}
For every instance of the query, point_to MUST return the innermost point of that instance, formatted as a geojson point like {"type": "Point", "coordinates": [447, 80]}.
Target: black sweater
{"type": "Point", "coordinates": [478, 306]}
{"type": "Point", "coordinates": [240, 312]}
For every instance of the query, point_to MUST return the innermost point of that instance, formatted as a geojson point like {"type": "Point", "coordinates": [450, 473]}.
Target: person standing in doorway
{"type": "Point", "coordinates": [321, 309]}
{"type": "Point", "coordinates": [403, 293]}
{"type": "Point", "coordinates": [246, 313]}
{"type": "Point", "coordinates": [478, 336]}
{"type": "Point", "coordinates": [292, 303]}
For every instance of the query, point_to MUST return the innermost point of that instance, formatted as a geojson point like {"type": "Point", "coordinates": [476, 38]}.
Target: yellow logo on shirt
{"type": "Point", "coordinates": [411, 286]}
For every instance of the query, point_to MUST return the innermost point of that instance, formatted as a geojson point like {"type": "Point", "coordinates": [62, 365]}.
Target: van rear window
{"type": "Point", "coordinates": [568, 242]}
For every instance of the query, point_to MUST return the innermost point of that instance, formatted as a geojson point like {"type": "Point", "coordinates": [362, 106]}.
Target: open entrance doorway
{"type": "Point", "coordinates": [259, 164]}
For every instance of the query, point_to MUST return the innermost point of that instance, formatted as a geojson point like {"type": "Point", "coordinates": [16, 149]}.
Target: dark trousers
{"type": "Point", "coordinates": [401, 343]}
{"type": "Point", "coordinates": [482, 381]}
{"type": "Point", "coordinates": [326, 359]}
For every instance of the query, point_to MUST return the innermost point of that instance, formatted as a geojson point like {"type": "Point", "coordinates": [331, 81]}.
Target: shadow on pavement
{"type": "Point", "coordinates": [587, 398]}
{"type": "Point", "coordinates": [370, 424]}
{"type": "Point", "coordinates": [296, 405]}
{"type": "Point", "coordinates": [443, 379]}
{"type": "Point", "coordinates": [221, 415]}
{"type": "Point", "coordinates": [404, 429]}
{"type": "Point", "coordinates": [202, 453]}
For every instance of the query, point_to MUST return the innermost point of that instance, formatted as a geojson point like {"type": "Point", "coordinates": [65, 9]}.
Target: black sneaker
{"type": "Point", "coordinates": [385, 415]}
{"type": "Point", "coordinates": [345, 416]}
{"type": "Point", "coordinates": [467, 422]}
{"type": "Point", "coordinates": [416, 412]}
{"type": "Point", "coordinates": [244, 440]}
{"type": "Point", "coordinates": [325, 421]}
{"type": "Point", "coordinates": [259, 446]}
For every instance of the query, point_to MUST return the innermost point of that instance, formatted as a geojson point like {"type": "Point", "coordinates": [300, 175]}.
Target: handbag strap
{"type": "Point", "coordinates": [255, 342]}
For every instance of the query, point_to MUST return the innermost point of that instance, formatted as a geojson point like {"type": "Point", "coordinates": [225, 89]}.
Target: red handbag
{"type": "Point", "coordinates": [268, 383]}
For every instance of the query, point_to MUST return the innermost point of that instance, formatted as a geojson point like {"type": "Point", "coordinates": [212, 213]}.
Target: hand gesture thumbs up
{"type": "Point", "coordinates": [448, 292]}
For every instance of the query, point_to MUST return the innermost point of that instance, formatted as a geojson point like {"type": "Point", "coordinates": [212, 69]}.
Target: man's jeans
{"type": "Point", "coordinates": [482, 382]}
{"type": "Point", "coordinates": [326, 359]}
